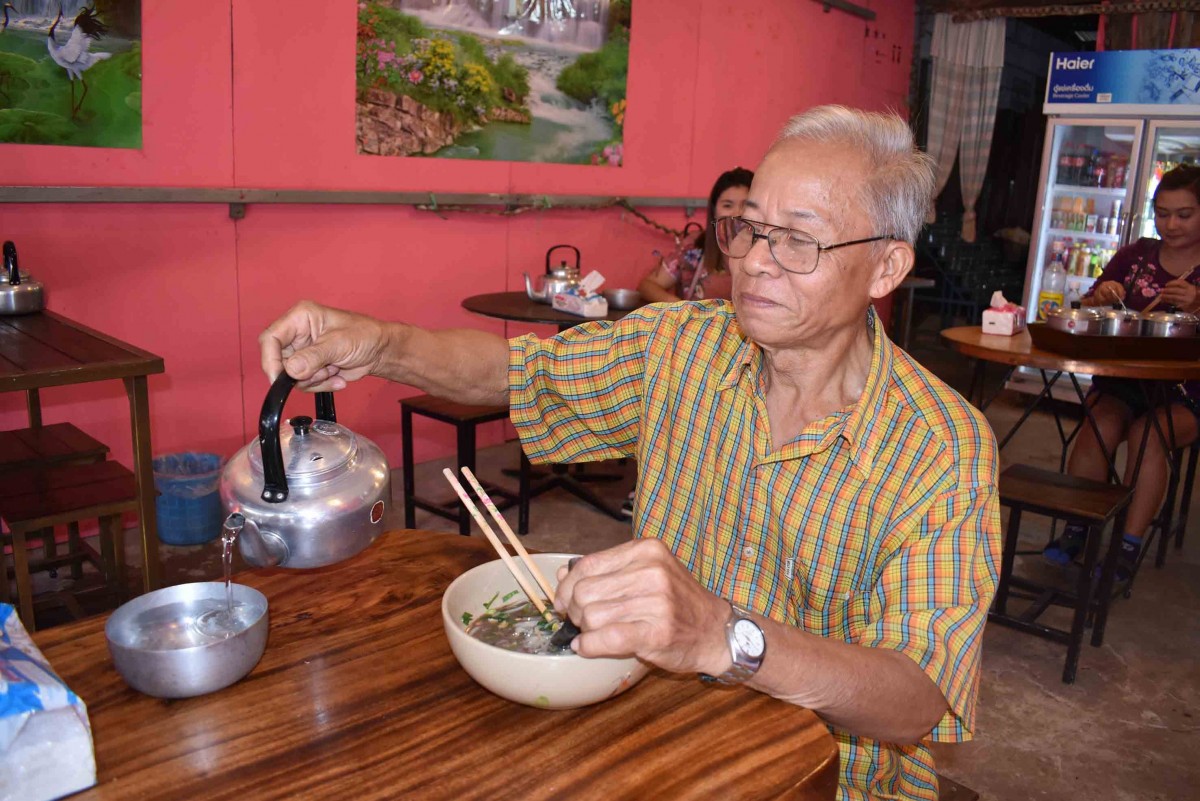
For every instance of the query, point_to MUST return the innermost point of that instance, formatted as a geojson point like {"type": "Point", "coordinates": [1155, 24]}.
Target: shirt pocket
{"type": "Point", "coordinates": [833, 611]}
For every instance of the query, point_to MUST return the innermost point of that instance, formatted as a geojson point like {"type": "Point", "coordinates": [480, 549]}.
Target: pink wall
{"type": "Point", "coordinates": [708, 88]}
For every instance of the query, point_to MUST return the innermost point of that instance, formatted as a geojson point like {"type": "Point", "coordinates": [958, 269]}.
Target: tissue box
{"type": "Point", "coordinates": [589, 306]}
{"type": "Point", "coordinates": [45, 738]}
{"type": "Point", "coordinates": [1006, 321]}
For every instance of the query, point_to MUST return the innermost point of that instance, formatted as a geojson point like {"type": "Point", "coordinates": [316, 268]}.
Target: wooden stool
{"type": "Point", "coordinates": [45, 446]}
{"type": "Point", "coordinates": [1092, 503]}
{"type": "Point", "coordinates": [34, 501]}
{"type": "Point", "coordinates": [464, 418]}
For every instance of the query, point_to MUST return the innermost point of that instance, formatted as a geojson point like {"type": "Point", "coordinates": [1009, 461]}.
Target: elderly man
{"type": "Point", "coordinates": [816, 514]}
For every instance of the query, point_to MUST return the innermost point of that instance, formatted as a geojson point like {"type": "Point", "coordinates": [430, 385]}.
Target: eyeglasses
{"type": "Point", "coordinates": [794, 251]}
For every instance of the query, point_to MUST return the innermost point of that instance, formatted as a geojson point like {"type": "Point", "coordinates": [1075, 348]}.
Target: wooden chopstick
{"type": "Point", "coordinates": [500, 549]}
{"type": "Point", "coordinates": [1158, 298]}
{"type": "Point", "coordinates": [530, 565]}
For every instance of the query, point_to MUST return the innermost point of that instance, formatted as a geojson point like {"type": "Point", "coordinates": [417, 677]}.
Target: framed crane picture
{"type": "Point", "coordinates": [71, 72]}
{"type": "Point", "coordinates": [503, 80]}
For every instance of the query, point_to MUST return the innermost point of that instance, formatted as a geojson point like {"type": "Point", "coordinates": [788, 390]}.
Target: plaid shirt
{"type": "Point", "coordinates": [878, 525]}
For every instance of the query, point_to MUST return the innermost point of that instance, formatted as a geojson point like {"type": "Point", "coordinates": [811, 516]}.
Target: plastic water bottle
{"type": "Point", "coordinates": [1051, 296]}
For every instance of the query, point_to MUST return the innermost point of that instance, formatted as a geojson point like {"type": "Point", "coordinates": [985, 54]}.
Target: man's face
{"type": "Point", "coordinates": [812, 188]}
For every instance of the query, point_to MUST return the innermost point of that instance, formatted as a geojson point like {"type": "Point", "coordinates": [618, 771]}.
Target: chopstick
{"type": "Point", "coordinates": [500, 549]}
{"type": "Point", "coordinates": [1158, 298]}
{"type": "Point", "coordinates": [530, 565]}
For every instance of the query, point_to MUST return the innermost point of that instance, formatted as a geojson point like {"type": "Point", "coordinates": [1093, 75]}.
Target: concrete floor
{"type": "Point", "coordinates": [1126, 729]}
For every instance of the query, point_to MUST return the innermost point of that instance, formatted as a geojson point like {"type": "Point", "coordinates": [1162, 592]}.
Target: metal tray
{"type": "Point", "coordinates": [1097, 346]}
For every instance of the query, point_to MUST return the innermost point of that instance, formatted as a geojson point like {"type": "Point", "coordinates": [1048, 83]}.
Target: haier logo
{"type": "Point", "coordinates": [1074, 63]}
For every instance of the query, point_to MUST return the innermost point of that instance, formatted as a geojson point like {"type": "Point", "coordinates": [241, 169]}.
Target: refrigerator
{"type": "Point", "coordinates": [1116, 121]}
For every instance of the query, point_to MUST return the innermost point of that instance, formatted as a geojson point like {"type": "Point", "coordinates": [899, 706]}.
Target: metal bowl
{"type": "Point", "coordinates": [1169, 324]}
{"type": "Point", "coordinates": [623, 299]}
{"type": "Point", "coordinates": [159, 649]}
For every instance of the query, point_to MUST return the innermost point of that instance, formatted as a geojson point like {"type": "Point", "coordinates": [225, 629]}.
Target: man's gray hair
{"type": "Point", "coordinates": [899, 185]}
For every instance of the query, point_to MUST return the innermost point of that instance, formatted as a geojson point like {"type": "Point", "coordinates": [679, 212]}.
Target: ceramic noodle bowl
{"type": "Point", "coordinates": [550, 681]}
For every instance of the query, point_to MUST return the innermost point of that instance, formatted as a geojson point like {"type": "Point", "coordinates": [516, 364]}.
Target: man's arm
{"type": "Point", "coordinates": [918, 660]}
{"type": "Point", "coordinates": [324, 349]}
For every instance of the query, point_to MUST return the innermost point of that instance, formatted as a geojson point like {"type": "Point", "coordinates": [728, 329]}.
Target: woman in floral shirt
{"type": "Point", "coordinates": [694, 271]}
{"type": "Point", "coordinates": [1137, 274]}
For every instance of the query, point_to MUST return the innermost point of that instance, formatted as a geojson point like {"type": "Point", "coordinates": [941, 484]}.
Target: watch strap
{"type": "Point", "coordinates": [744, 665]}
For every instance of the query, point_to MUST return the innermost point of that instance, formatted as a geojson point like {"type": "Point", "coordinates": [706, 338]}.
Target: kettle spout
{"type": "Point", "coordinates": [531, 292]}
{"type": "Point", "coordinates": [259, 548]}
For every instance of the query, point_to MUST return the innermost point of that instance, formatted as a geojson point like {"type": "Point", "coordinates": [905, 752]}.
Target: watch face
{"type": "Point", "coordinates": [749, 637]}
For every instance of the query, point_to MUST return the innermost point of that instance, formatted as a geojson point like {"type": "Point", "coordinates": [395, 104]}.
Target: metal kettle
{"type": "Point", "coordinates": [309, 495]}
{"type": "Point", "coordinates": [19, 293]}
{"type": "Point", "coordinates": [557, 279]}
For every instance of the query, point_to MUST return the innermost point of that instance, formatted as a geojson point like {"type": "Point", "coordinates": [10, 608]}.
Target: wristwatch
{"type": "Point", "coordinates": [747, 646]}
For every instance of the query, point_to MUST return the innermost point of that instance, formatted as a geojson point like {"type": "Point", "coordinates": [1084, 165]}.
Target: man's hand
{"type": "Point", "coordinates": [637, 598]}
{"type": "Point", "coordinates": [322, 348]}
{"type": "Point", "coordinates": [1181, 294]}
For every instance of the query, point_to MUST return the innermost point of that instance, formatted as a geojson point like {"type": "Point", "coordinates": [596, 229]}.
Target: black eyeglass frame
{"type": "Point", "coordinates": [755, 236]}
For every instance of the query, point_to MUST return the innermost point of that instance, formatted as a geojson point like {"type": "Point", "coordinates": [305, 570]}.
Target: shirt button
{"type": "Point", "coordinates": [748, 552]}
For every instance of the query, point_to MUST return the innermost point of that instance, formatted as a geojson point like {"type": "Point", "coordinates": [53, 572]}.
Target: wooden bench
{"type": "Point", "coordinates": [465, 418]}
{"type": "Point", "coordinates": [56, 444]}
{"type": "Point", "coordinates": [33, 502]}
{"type": "Point", "coordinates": [1094, 504]}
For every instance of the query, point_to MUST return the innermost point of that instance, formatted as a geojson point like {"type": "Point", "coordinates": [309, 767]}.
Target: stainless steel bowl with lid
{"type": "Point", "coordinates": [1085, 320]}
{"type": "Point", "coordinates": [1119, 322]}
{"type": "Point", "coordinates": [1169, 324]}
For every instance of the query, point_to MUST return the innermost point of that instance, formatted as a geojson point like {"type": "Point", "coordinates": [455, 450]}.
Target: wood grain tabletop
{"type": "Point", "coordinates": [1019, 350]}
{"type": "Point", "coordinates": [359, 696]}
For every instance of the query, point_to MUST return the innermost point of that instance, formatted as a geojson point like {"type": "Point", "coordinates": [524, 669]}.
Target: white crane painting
{"type": "Point", "coordinates": [76, 55]}
{"type": "Point", "coordinates": [49, 46]}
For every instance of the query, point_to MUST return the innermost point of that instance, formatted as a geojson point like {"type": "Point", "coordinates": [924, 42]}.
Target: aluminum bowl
{"type": "Point", "coordinates": [548, 681]}
{"type": "Point", "coordinates": [158, 650]}
{"type": "Point", "coordinates": [1169, 324]}
{"type": "Point", "coordinates": [623, 299]}
{"type": "Point", "coordinates": [1118, 322]}
{"type": "Point", "coordinates": [1085, 320]}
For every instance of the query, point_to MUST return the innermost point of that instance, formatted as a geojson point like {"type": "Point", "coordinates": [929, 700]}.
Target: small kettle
{"type": "Point", "coordinates": [557, 279]}
{"type": "Point", "coordinates": [19, 293]}
{"type": "Point", "coordinates": [308, 496]}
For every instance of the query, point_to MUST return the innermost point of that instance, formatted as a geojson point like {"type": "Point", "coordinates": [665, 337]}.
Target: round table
{"type": "Point", "coordinates": [518, 307]}
{"type": "Point", "coordinates": [1019, 350]}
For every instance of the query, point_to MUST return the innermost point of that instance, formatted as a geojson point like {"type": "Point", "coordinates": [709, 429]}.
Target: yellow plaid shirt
{"type": "Point", "coordinates": [878, 525]}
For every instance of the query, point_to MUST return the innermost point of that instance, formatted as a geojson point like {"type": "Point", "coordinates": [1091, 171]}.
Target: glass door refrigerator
{"type": "Point", "coordinates": [1116, 121]}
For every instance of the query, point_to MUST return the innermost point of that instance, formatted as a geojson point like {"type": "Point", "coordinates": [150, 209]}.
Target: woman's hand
{"type": "Point", "coordinates": [1181, 294]}
{"type": "Point", "coordinates": [1109, 292]}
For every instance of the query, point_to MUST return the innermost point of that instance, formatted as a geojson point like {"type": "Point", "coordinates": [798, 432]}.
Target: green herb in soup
{"type": "Point", "coordinates": [515, 627]}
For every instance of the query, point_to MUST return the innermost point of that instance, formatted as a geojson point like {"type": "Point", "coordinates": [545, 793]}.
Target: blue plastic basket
{"type": "Point", "coordinates": [188, 505]}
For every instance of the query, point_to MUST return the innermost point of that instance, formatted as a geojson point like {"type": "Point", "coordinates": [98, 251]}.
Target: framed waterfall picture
{"type": "Point", "coordinates": [71, 72]}
{"type": "Point", "coordinates": [500, 80]}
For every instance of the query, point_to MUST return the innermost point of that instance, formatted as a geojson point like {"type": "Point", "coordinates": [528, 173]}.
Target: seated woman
{"type": "Point", "coordinates": [696, 269]}
{"type": "Point", "coordinates": [1137, 274]}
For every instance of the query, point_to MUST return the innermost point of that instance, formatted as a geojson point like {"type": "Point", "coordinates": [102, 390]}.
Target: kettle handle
{"type": "Point", "coordinates": [275, 487]}
{"type": "Point", "coordinates": [10, 264]}
{"type": "Point", "coordinates": [556, 247]}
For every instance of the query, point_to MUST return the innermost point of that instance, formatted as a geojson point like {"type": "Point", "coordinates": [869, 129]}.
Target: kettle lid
{"type": "Point", "coordinates": [311, 448]}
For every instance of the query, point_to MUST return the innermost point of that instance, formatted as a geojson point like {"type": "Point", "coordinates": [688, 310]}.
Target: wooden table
{"type": "Point", "coordinates": [48, 350]}
{"type": "Point", "coordinates": [1019, 350]}
{"type": "Point", "coordinates": [359, 696]}
{"type": "Point", "coordinates": [517, 307]}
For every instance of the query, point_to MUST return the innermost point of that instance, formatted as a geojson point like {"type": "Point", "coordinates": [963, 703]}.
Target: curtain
{"type": "Point", "coordinates": [967, 60]}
